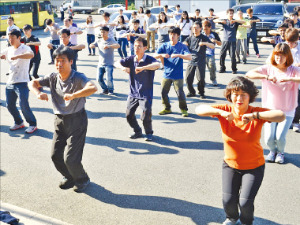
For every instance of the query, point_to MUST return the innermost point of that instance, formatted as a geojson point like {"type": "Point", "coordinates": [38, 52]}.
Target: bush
{"type": "Point", "coordinates": [131, 7]}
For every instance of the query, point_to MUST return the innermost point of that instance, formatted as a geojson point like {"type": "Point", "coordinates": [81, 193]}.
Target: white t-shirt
{"type": "Point", "coordinates": [185, 27]}
{"type": "Point", "coordinates": [141, 18]}
{"type": "Point", "coordinates": [111, 28]}
{"type": "Point", "coordinates": [73, 37]}
{"type": "Point", "coordinates": [90, 28]}
{"type": "Point", "coordinates": [18, 69]}
{"type": "Point", "coordinates": [163, 31]}
{"type": "Point", "coordinates": [121, 30]}
{"type": "Point", "coordinates": [125, 18]}
{"type": "Point", "coordinates": [9, 29]}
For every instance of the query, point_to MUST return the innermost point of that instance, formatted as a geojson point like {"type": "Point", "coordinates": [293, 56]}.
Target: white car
{"type": "Point", "coordinates": [111, 8]}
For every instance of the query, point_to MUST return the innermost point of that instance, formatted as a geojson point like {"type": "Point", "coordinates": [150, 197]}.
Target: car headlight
{"type": "Point", "coordinates": [278, 23]}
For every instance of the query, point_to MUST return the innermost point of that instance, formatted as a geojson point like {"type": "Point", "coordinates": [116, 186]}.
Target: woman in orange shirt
{"type": "Point", "coordinates": [244, 163]}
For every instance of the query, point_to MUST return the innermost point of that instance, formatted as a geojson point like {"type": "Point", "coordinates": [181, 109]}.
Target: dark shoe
{"type": "Point", "coordinates": [244, 62]}
{"type": "Point", "coordinates": [238, 61]}
{"type": "Point", "coordinates": [80, 187]}
{"type": "Point", "coordinates": [222, 71]}
{"type": "Point", "coordinates": [136, 135]}
{"type": "Point", "coordinates": [104, 92]}
{"type": "Point", "coordinates": [66, 183]}
{"type": "Point", "coordinates": [202, 97]}
{"type": "Point", "coordinates": [89, 54]}
{"type": "Point", "coordinates": [234, 72]}
{"type": "Point", "coordinates": [153, 51]}
{"type": "Point", "coordinates": [149, 137]}
{"type": "Point", "coordinates": [190, 95]}
{"type": "Point", "coordinates": [50, 63]}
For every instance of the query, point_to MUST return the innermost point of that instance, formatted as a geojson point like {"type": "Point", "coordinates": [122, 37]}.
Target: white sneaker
{"type": "Point", "coordinates": [231, 222]}
{"type": "Point", "coordinates": [296, 127]}
{"type": "Point", "coordinates": [30, 129]}
{"type": "Point", "coordinates": [17, 127]}
{"type": "Point", "coordinates": [271, 156]}
{"type": "Point", "coordinates": [279, 158]}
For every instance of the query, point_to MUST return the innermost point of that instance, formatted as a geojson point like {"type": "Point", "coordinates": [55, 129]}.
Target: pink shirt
{"type": "Point", "coordinates": [282, 96]}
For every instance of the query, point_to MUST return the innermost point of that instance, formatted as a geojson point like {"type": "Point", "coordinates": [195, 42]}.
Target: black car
{"type": "Point", "coordinates": [271, 16]}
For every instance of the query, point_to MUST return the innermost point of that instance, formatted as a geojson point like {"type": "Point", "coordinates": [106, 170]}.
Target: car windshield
{"type": "Point", "coordinates": [290, 8]}
{"type": "Point", "coordinates": [267, 10]}
{"type": "Point", "coordinates": [113, 16]}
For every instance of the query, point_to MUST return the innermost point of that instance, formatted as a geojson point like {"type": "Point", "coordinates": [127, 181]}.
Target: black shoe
{"type": "Point", "coordinates": [66, 183]}
{"type": "Point", "coordinates": [222, 71]}
{"type": "Point", "coordinates": [234, 72]}
{"type": "Point", "coordinates": [244, 62]}
{"type": "Point", "coordinates": [238, 61]}
{"type": "Point", "coordinates": [136, 135]}
{"type": "Point", "coordinates": [50, 63]}
{"type": "Point", "coordinates": [202, 97]}
{"type": "Point", "coordinates": [80, 187]}
{"type": "Point", "coordinates": [149, 137]}
{"type": "Point", "coordinates": [190, 95]}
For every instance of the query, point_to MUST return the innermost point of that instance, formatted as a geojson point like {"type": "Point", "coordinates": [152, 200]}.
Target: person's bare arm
{"type": "Point", "coordinates": [114, 46]}
{"type": "Point", "coordinates": [271, 116]}
{"type": "Point", "coordinates": [206, 110]}
{"type": "Point", "coordinates": [219, 21]}
{"type": "Point", "coordinates": [185, 57]}
{"type": "Point", "coordinates": [34, 43]}
{"type": "Point", "coordinates": [78, 47]}
{"type": "Point", "coordinates": [89, 89]}
{"type": "Point", "coordinates": [152, 66]}
{"type": "Point", "coordinates": [26, 55]}
{"type": "Point", "coordinates": [34, 86]}
{"type": "Point", "coordinates": [254, 74]}
{"type": "Point", "coordinates": [210, 45]}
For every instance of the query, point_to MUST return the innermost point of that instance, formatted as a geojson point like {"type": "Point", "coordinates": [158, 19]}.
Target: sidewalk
{"type": "Point", "coordinates": [28, 217]}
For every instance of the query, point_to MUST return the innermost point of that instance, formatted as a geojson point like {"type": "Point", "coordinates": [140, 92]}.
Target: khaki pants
{"type": "Point", "coordinates": [152, 34]}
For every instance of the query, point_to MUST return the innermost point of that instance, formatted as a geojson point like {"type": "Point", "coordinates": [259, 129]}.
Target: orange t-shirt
{"type": "Point", "coordinates": [242, 146]}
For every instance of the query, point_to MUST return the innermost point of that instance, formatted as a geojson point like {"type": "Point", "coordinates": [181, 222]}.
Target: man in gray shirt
{"type": "Point", "coordinates": [68, 91]}
{"type": "Point", "coordinates": [54, 37]}
{"type": "Point", "coordinates": [106, 48]}
{"type": "Point", "coordinates": [149, 20]}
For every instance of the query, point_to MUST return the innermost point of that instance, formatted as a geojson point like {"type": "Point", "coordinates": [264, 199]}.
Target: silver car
{"type": "Point", "coordinates": [111, 8]}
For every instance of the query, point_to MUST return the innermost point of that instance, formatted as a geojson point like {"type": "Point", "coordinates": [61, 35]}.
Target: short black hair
{"type": "Point", "coordinates": [174, 30]}
{"type": "Point", "coordinates": [294, 14]}
{"type": "Point", "coordinates": [143, 40]}
{"type": "Point", "coordinates": [166, 6]}
{"type": "Point", "coordinates": [197, 10]}
{"type": "Point", "coordinates": [15, 32]}
{"type": "Point", "coordinates": [178, 6]}
{"type": "Point", "coordinates": [241, 83]}
{"type": "Point", "coordinates": [64, 50]}
{"type": "Point", "coordinates": [48, 22]}
{"type": "Point", "coordinates": [106, 14]}
{"type": "Point", "coordinates": [284, 25]}
{"type": "Point", "coordinates": [148, 11]}
{"type": "Point", "coordinates": [229, 10]}
{"type": "Point", "coordinates": [211, 9]}
{"type": "Point", "coordinates": [27, 27]}
{"type": "Point", "coordinates": [65, 31]}
{"type": "Point", "coordinates": [136, 21]}
{"type": "Point", "coordinates": [11, 18]}
{"type": "Point", "coordinates": [198, 23]}
{"type": "Point", "coordinates": [70, 17]}
{"type": "Point", "coordinates": [104, 28]}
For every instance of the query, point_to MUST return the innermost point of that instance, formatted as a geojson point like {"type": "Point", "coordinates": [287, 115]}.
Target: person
{"type": "Point", "coordinates": [121, 30]}
{"type": "Point", "coordinates": [149, 20]}
{"type": "Point", "coordinates": [241, 39]}
{"type": "Point", "coordinates": [211, 19]}
{"type": "Point", "coordinates": [72, 21]}
{"type": "Point", "coordinates": [69, 90]}
{"type": "Point", "coordinates": [106, 23]}
{"type": "Point", "coordinates": [166, 11]}
{"type": "Point", "coordinates": [253, 32]}
{"type": "Point", "coordinates": [90, 32]}
{"type": "Point", "coordinates": [289, 22]}
{"type": "Point", "coordinates": [294, 17]}
{"type": "Point", "coordinates": [53, 28]}
{"type": "Point", "coordinates": [62, 13]}
{"type": "Point", "coordinates": [70, 10]}
{"type": "Point", "coordinates": [11, 26]}
{"type": "Point", "coordinates": [210, 52]}
{"type": "Point", "coordinates": [141, 69]}
{"type": "Point", "coordinates": [292, 37]}
{"type": "Point", "coordinates": [73, 31]}
{"type": "Point", "coordinates": [116, 20]}
{"type": "Point", "coordinates": [185, 24]}
{"type": "Point", "coordinates": [244, 164]}
{"type": "Point", "coordinates": [33, 42]}
{"type": "Point", "coordinates": [135, 32]}
{"type": "Point", "coordinates": [177, 13]}
{"type": "Point", "coordinates": [162, 25]}
{"type": "Point", "coordinates": [106, 46]}
{"type": "Point", "coordinates": [230, 26]}
{"type": "Point", "coordinates": [18, 57]}
{"type": "Point", "coordinates": [197, 44]}
{"type": "Point", "coordinates": [172, 54]}
{"type": "Point", "coordinates": [197, 16]}
{"type": "Point", "coordinates": [141, 17]}
{"type": "Point", "coordinates": [279, 35]}
{"type": "Point", "coordinates": [279, 91]}
{"type": "Point", "coordinates": [65, 36]}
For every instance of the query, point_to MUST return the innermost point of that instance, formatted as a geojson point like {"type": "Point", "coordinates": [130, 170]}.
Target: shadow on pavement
{"type": "Point", "coordinates": [199, 214]}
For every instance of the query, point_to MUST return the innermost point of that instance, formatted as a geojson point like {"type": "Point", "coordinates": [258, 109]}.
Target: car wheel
{"type": "Point", "coordinates": [83, 12]}
{"type": "Point", "coordinates": [101, 12]}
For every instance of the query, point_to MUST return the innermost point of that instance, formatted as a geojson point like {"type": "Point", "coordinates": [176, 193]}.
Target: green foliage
{"type": "Point", "coordinates": [131, 7]}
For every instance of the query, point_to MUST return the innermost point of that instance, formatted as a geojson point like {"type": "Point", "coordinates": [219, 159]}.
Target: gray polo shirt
{"type": "Point", "coordinates": [106, 56]}
{"type": "Point", "coordinates": [59, 88]}
{"type": "Point", "coordinates": [150, 20]}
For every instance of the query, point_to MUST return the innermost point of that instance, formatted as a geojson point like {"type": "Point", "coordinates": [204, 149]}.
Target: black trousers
{"type": "Point", "coordinates": [297, 113]}
{"type": "Point", "coordinates": [239, 191]}
{"type": "Point", "coordinates": [146, 106]}
{"type": "Point", "coordinates": [199, 70]}
{"type": "Point", "coordinates": [231, 47]}
{"type": "Point", "coordinates": [69, 134]}
{"type": "Point", "coordinates": [35, 66]}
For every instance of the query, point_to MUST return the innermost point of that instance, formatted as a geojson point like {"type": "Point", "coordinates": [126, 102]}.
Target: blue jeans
{"type": "Point", "coordinates": [122, 50]}
{"type": "Point", "coordinates": [13, 91]}
{"type": "Point", "coordinates": [132, 48]}
{"type": "Point", "coordinates": [54, 42]}
{"type": "Point", "coordinates": [253, 37]}
{"type": "Point", "coordinates": [90, 40]}
{"type": "Point", "coordinates": [109, 77]}
{"type": "Point", "coordinates": [275, 134]}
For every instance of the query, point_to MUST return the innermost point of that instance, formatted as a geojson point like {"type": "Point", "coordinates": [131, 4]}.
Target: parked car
{"type": "Point", "coordinates": [271, 15]}
{"type": "Point", "coordinates": [157, 9]}
{"type": "Point", "coordinates": [243, 8]}
{"type": "Point", "coordinates": [79, 7]}
{"type": "Point", "coordinates": [111, 8]}
{"type": "Point", "coordinates": [290, 7]}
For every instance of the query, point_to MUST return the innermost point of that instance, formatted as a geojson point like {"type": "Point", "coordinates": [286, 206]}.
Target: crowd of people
{"type": "Point", "coordinates": [180, 37]}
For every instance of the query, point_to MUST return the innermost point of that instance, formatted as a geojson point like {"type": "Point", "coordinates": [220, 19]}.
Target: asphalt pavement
{"type": "Point", "coordinates": [174, 180]}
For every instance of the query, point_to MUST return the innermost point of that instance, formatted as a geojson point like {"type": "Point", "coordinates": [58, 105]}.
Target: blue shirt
{"type": "Point", "coordinates": [212, 35]}
{"type": "Point", "coordinates": [173, 66]}
{"type": "Point", "coordinates": [138, 31]}
{"type": "Point", "coordinates": [229, 32]}
{"type": "Point", "coordinates": [141, 84]}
